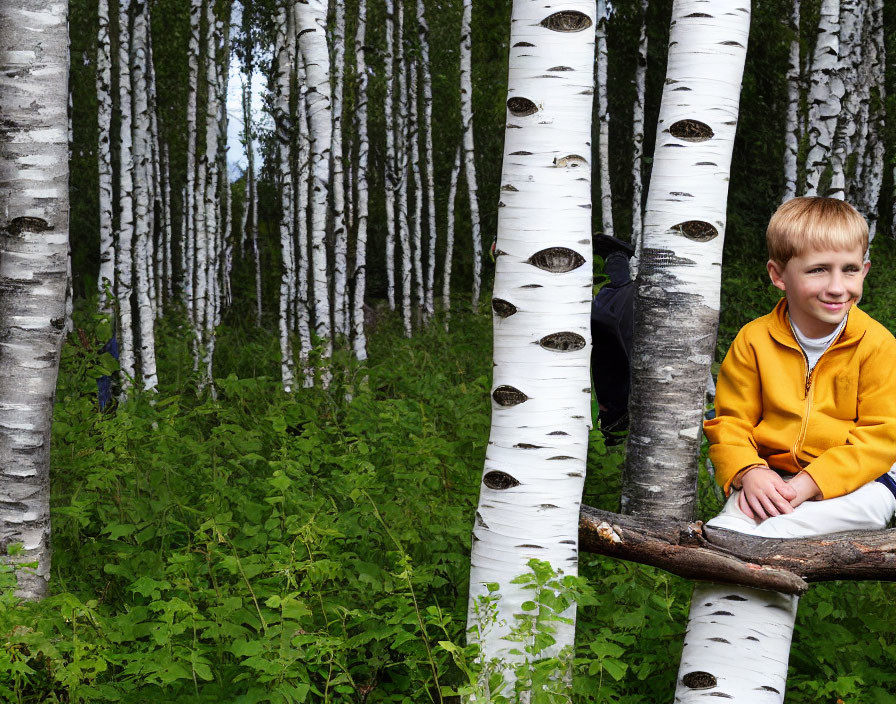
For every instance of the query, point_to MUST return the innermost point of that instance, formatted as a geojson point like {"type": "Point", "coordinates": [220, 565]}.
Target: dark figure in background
{"type": "Point", "coordinates": [612, 322]}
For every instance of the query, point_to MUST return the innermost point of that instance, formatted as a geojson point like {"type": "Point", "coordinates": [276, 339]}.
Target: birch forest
{"type": "Point", "coordinates": [297, 394]}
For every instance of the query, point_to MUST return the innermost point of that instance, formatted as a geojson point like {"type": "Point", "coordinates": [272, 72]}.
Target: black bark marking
{"type": "Point", "coordinates": [697, 14]}
{"type": "Point", "coordinates": [735, 597]}
{"type": "Point", "coordinates": [562, 342]}
{"type": "Point", "coordinates": [566, 21]}
{"type": "Point", "coordinates": [502, 308]}
{"type": "Point", "coordinates": [509, 187]}
{"type": "Point", "coordinates": [521, 107]}
{"type": "Point", "coordinates": [514, 127]}
{"type": "Point", "coordinates": [720, 640]}
{"type": "Point", "coordinates": [721, 695]}
{"type": "Point", "coordinates": [502, 204]}
{"type": "Point", "coordinates": [558, 432]}
{"type": "Point", "coordinates": [522, 44]}
{"type": "Point", "coordinates": [529, 545]}
{"type": "Point", "coordinates": [706, 163]}
{"type": "Point", "coordinates": [681, 193]}
{"type": "Point", "coordinates": [555, 506]}
{"type": "Point", "coordinates": [691, 130]}
{"type": "Point", "coordinates": [732, 43]}
{"type": "Point", "coordinates": [557, 260]}
{"type": "Point", "coordinates": [499, 481]}
{"type": "Point", "coordinates": [531, 286]}
{"type": "Point", "coordinates": [479, 521]}
{"type": "Point", "coordinates": [766, 688]}
{"type": "Point", "coordinates": [561, 457]}
{"type": "Point", "coordinates": [721, 613]}
{"type": "Point", "coordinates": [698, 680]}
{"type": "Point", "coordinates": [561, 68]}
{"type": "Point", "coordinates": [528, 446]}
{"type": "Point", "coordinates": [696, 230]}
{"type": "Point", "coordinates": [57, 323]}
{"type": "Point", "coordinates": [500, 253]}
{"type": "Point", "coordinates": [682, 88]}
{"type": "Point", "coordinates": [26, 223]}
{"type": "Point", "coordinates": [521, 153]}
{"type": "Point", "coordinates": [752, 638]}
{"type": "Point", "coordinates": [508, 396]}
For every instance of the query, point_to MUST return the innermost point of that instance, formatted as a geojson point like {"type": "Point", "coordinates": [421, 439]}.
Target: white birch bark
{"type": "Point", "coordinates": [638, 143]}
{"type": "Point", "coordinates": [34, 223]}
{"type": "Point", "coordinates": [415, 186]}
{"type": "Point", "coordinates": [189, 232]}
{"type": "Point", "coordinates": [466, 111]}
{"type": "Point", "coordinates": [826, 92]}
{"type": "Point", "coordinates": [429, 166]}
{"type": "Point", "coordinates": [311, 28]}
{"type": "Point", "coordinates": [449, 236]}
{"type": "Point", "coordinates": [359, 337]}
{"type": "Point", "coordinates": [736, 646]}
{"type": "Point", "coordinates": [303, 182]}
{"type": "Point", "coordinates": [157, 201]}
{"type": "Point", "coordinates": [284, 34]}
{"type": "Point", "coordinates": [142, 199]}
{"type": "Point", "coordinates": [402, 170]}
{"type": "Point", "coordinates": [106, 278]}
{"type": "Point", "coordinates": [124, 253]}
{"type": "Point", "coordinates": [225, 249]}
{"type": "Point", "coordinates": [792, 124]}
{"type": "Point", "coordinates": [390, 159]}
{"type": "Point", "coordinates": [340, 232]}
{"type": "Point", "coordinates": [250, 229]}
{"type": "Point", "coordinates": [535, 463]}
{"type": "Point", "coordinates": [680, 269]}
{"type": "Point", "coordinates": [603, 117]}
{"type": "Point", "coordinates": [168, 231]}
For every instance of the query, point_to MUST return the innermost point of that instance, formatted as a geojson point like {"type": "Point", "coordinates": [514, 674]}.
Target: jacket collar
{"type": "Point", "coordinates": [779, 327]}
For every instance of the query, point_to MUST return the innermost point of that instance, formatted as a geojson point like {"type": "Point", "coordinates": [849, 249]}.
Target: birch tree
{"type": "Point", "coordinates": [826, 91]}
{"type": "Point", "coordinates": [340, 231]}
{"type": "Point", "coordinates": [638, 142]}
{"type": "Point", "coordinates": [603, 118]}
{"type": "Point", "coordinates": [34, 220]}
{"type": "Point", "coordinates": [535, 462]}
{"type": "Point", "coordinates": [389, 156]}
{"type": "Point", "coordinates": [466, 112]}
{"type": "Point", "coordinates": [106, 278]}
{"type": "Point", "coordinates": [426, 72]}
{"type": "Point", "coordinates": [792, 124]}
{"type": "Point", "coordinates": [359, 338]}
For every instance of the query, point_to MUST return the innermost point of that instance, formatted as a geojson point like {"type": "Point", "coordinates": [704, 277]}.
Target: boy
{"type": "Point", "coordinates": [806, 397]}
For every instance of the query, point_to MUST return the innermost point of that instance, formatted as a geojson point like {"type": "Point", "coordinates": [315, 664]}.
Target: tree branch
{"type": "Point", "coordinates": [695, 551]}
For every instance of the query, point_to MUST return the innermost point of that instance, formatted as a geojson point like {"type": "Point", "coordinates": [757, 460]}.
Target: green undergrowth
{"type": "Point", "coordinates": [268, 547]}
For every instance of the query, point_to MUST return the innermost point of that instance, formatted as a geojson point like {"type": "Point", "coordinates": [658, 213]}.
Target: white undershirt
{"type": "Point", "coordinates": [815, 347]}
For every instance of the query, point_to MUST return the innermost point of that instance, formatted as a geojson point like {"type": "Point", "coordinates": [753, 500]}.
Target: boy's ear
{"type": "Point", "coordinates": [776, 274]}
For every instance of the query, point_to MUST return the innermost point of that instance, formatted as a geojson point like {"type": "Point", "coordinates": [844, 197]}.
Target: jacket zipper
{"type": "Point", "coordinates": [805, 420]}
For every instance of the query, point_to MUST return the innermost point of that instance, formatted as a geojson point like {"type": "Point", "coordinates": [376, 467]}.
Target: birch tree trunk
{"type": "Point", "coordinates": [303, 177]}
{"type": "Point", "coordinates": [403, 141]}
{"type": "Point", "coordinates": [680, 269]}
{"type": "Point", "coordinates": [826, 91]}
{"type": "Point", "coordinates": [603, 117]}
{"type": "Point", "coordinates": [312, 22]}
{"type": "Point", "coordinates": [106, 278]}
{"type": "Point", "coordinates": [792, 128]}
{"type": "Point", "coordinates": [359, 338]}
{"type": "Point", "coordinates": [340, 232]}
{"type": "Point", "coordinates": [466, 112]}
{"type": "Point", "coordinates": [34, 221]}
{"type": "Point", "coordinates": [638, 143]}
{"type": "Point", "coordinates": [449, 237]}
{"type": "Point", "coordinates": [535, 463]}
{"type": "Point", "coordinates": [426, 71]}
{"type": "Point", "coordinates": [124, 253]}
{"type": "Point", "coordinates": [189, 233]}
{"type": "Point", "coordinates": [389, 157]}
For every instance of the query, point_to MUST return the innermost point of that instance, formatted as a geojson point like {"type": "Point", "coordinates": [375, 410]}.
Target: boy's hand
{"type": "Point", "coordinates": [805, 487]}
{"type": "Point", "coordinates": [764, 494]}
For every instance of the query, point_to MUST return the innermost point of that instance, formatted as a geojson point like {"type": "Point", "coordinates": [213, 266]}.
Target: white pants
{"type": "Point", "coordinates": [870, 507]}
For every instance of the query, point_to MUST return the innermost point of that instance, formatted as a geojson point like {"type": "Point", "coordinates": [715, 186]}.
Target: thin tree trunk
{"type": "Point", "coordinates": [466, 111]}
{"type": "Point", "coordinates": [603, 117]}
{"type": "Point", "coordinates": [402, 170]}
{"type": "Point", "coordinates": [106, 279]}
{"type": "Point", "coordinates": [34, 223]}
{"type": "Point", "coordinates": [359, 337]}
{"type": "Point", "coordinates": [189, 230]}
{"type": "Point", "coordinates": [638, 143]}
{"type": "Point", "coordinates": [426, 70]}
{"type": "Point", "coordinates": [826, 93]}
{"type": "Point", "coordinates": [340, 232]}
{"type": "Point", "coordinates": [449, 236]}
{"type": "Point", "coordinates": [124, 254]}
{"type": "Point", "coordinates": [535, 463]}
{"type": "Point", "coordinates": [414, 184]}
{"type": "Point", "coordinates": [792, 128]}
{"type": "Point", "coordinates": [389, 157]}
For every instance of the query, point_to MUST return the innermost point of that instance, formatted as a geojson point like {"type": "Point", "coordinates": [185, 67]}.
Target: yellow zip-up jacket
{"type": "Point", "coordinates": [837, 423]}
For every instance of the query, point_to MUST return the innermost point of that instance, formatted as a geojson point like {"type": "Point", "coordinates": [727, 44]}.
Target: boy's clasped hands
{"type": "Point", "coordinates": [765, 494]}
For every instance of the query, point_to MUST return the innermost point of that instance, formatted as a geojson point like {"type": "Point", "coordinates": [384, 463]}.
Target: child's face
{"type": "Point", "coordinates": [821, 286]}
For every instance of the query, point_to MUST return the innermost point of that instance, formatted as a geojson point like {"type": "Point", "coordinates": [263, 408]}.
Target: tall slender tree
{"type": "Point", "coordinates": [34, 222]}
{"type": "Point", "coordinates": [535, 462]}
{"type": "Point", "coordinates": [466, 112]}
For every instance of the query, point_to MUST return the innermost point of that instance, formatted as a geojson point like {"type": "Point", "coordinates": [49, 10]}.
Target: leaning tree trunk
{"type": "Point", "coordinates": [535, 463]}
{"type": "Point", "coordinates": [34, 218]}
{"type": "Point", "coordinates": [680, 268]}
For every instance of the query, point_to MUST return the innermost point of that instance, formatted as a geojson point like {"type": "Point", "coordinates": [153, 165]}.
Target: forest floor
{"type": "Point", "coordinates": [265, 547]}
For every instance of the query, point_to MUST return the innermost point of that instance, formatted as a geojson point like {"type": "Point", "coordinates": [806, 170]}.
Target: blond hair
{"type": "Point", "coordinates": [813, 222]}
